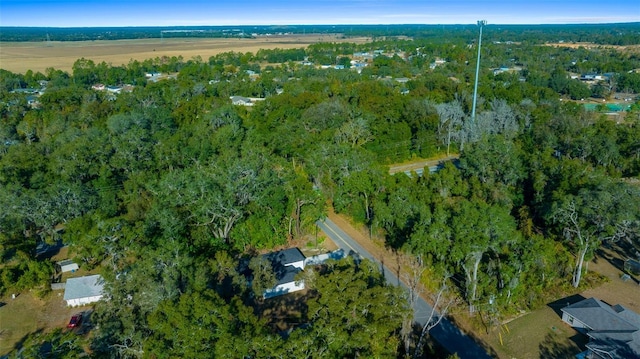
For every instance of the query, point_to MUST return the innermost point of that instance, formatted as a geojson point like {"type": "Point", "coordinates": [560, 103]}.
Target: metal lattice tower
{"type": "Point", "coordinates": [481, 23]}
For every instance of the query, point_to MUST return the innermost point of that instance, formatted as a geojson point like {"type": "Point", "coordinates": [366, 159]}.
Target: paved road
{"type": "Point", "coordinates": [447, 334]}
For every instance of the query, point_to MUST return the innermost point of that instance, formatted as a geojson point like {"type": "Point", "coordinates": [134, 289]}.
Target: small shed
{"type": "Point", "coordinates": [67, 265]}
{"type": "Point", "coordinates": [83, 290]}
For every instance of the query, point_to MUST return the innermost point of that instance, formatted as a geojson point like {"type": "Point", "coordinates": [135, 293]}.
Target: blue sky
{"type": "Point", "coordinates": [93, 13]}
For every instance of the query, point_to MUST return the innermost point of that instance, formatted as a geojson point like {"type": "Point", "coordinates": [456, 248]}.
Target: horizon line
{"type": "Point", "coordinates": [323, 24]}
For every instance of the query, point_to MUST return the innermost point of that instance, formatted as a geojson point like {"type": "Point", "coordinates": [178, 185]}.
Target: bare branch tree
{"type": "Point", "coordinates": [439, 309]}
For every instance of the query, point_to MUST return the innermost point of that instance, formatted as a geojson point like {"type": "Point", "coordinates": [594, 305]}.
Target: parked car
{"type": "Point", "coordinates": [76, 321]}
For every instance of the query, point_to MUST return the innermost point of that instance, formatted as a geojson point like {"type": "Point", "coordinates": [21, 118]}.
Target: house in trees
{"type": "Point", "coordinates": [83, 290]}
{"type": "Point", "coordinates": [286, 265]}
{"type": "Point", "coordinates": [245, 101]}
{"type": "Point", "coordinates": [614, 331]}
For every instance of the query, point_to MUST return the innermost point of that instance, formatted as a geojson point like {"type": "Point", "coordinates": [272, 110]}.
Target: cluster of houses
{"type": "Point", "coordinates": [614, 331]}
{"type": "Point", "coordinates": [32, 94]}
{"type": "Point", "coordinates": [286, 265]}
{"type": "Point", "coordinates": [112, 89]}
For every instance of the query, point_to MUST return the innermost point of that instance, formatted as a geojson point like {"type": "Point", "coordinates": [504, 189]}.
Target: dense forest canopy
{"type": "Point", "coordinates": [166, 187]}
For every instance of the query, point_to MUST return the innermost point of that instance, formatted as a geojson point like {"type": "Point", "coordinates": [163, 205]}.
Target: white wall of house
{"type": "Point", "coordinates": [573, 321]}
{"type": "Point", "coordinates": [284, 289]}
{"type": "Point", "coordinates": [76, 302]}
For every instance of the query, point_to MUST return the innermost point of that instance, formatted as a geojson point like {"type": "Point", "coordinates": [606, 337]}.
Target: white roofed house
{"type": "Point", "coordinates": [83, 290]}
{"type": "Point", "coordinates": [241, 101]}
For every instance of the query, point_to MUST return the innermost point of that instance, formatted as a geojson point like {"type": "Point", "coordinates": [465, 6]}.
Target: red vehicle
{"type": "Point", "coordinates": [76, 321]}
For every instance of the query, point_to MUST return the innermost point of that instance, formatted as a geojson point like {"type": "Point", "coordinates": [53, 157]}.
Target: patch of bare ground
{"type": "Point", "coordinates": [591, 45]}
{"type": "Point", "coordinates": [19, 57]}
{"type": "Point", "coordinates": [285, 312]}
{"type": "Point", "coordinates": [417, 164]}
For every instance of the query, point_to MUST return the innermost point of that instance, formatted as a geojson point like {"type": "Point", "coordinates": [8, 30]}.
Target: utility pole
{"type": "Point", "coordinates": [481, 23]}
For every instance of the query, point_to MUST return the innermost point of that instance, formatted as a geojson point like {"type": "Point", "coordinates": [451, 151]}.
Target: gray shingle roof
{"type": "Point", "coordinates": [281, 263]}
{"type": "Point", "coordinates": [83, 287]}
{"type": "Point", "coordinates": [614, 330]}
{"type": "Point", "coordinates": [285, 257]}
{"type": "Point", "coordinates": [287, 274]}
{"type": "Point", "coordinates": [598, 315]}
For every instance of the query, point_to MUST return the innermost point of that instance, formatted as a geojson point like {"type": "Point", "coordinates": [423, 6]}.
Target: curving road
{"type": "Point", "coordinates": [445, 333]}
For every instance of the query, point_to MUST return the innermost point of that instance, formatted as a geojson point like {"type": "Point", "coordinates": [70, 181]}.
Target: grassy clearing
{"type": "Point", "coordinates": [538, 334]}
{"type": "Point", "coordinates": [420, 163]}
{"type": "Point", "coordinates": [27, 314]}
{"type": "Point", "coordinates": [18, 317]}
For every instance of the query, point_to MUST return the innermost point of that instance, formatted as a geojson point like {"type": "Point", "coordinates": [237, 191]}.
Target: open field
{"type": "Point", "coordinates": [19, 57]}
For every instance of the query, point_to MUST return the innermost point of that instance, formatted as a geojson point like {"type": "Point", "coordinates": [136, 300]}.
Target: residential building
{"type": "Point", "coordinates": [286, 265]}
{"type": "Point", "coordinates": [614, 331]}
{"type": "Point", "coordinates": [83, 290]}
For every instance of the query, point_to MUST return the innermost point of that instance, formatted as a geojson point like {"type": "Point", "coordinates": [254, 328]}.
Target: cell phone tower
{"type": "Point", "coordinates": [481, 24]}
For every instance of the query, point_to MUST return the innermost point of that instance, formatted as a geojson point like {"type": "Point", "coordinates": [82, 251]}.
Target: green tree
{"type": "Point", "coordinates": [598, 212]}
{"type": "Point", "coordinates": [353, 314]}
{"type": "Point", "coordinates": [57, 344]}
{"type": "Point", "coordinates": [264, 276]}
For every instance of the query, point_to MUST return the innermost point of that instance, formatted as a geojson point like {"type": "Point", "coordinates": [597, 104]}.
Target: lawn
{"type": "Point", "coordinates": [538, 334]}
{"type": "Point", "coordinates": [27, 314]}
{"type": "Point", "coordinates": [543, 334]}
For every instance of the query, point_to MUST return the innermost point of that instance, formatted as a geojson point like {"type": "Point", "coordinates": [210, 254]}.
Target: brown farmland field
{"type": "Point", "coordinates": [18, 57]}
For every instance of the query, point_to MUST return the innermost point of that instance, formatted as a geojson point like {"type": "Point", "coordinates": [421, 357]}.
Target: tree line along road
{"type": "Point", "coordinates": [445, 333]}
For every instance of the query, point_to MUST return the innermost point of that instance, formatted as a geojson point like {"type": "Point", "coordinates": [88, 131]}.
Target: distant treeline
{"type": "Point", "coordinates": [611, 34]}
